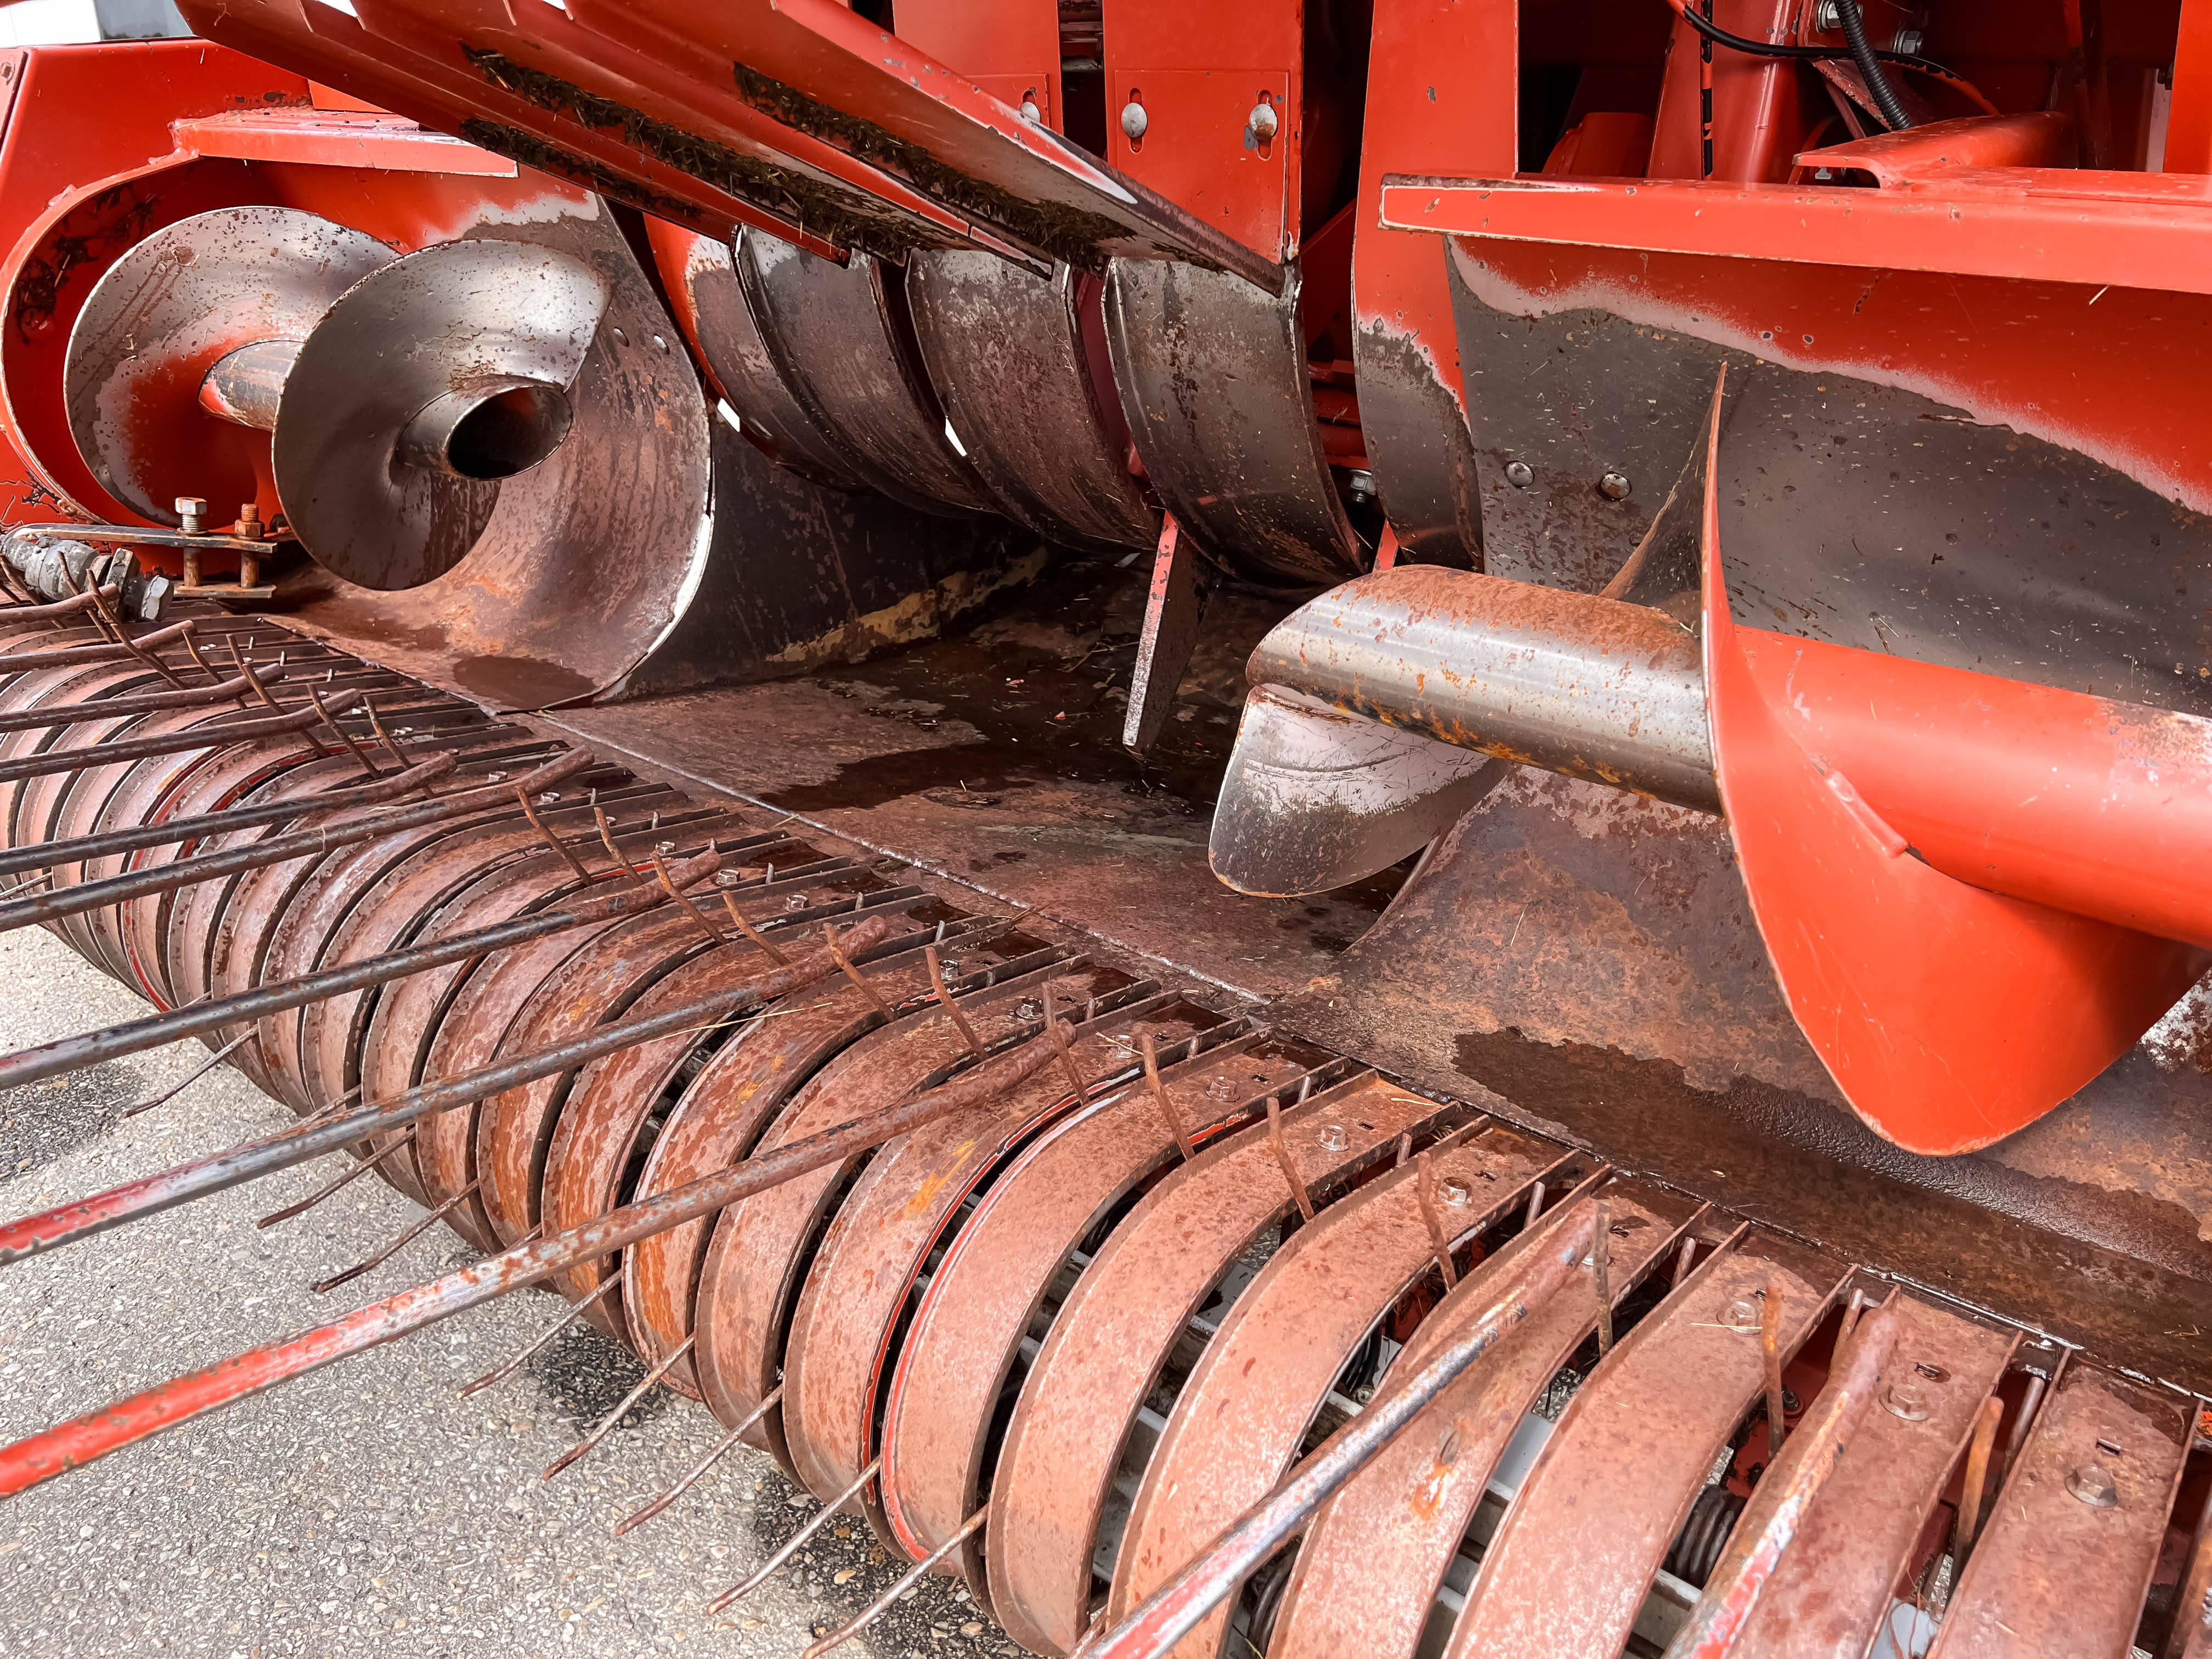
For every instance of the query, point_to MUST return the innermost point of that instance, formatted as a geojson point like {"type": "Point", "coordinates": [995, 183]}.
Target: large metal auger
{"type": "Point", "coordinates": [1143, 1320]}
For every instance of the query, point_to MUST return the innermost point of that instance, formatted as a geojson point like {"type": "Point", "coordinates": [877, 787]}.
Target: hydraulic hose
{"type": "Point", "coordinates": [1884, 95]}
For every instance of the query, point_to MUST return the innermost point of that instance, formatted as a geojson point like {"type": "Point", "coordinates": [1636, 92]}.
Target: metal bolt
{"type": "Point", "coordinates": [1613, 486]}
{"type": "Point", "coordinates": [1907, 43]}
{"type": "Point", "coordinates": [1825, 17]}
{"type": "Point", "coordinates": [2093, 1486]}
{"type": "Point", "coordinates": [549, 797]}
{"type": "Point", "coordinates": [1907, 1400]}
{"type": "Point", "coordinates": [1520, 474]}
{"type": "Point", "coordinates": [495, 777]}
{"type": "Point", "coordinates": [1263, 122]}
{"type": "Point", "coordinates": [1134, 120]}
{"type": "Point", "coordinates": [1030, 112]}
{"type": "Point", "coordinates": [249, 518]}
{"type": "Point", "coordinates": [664, 847]}
{"type": "Point", "coordinates": [796, 902]}
{"type": "Point", "coordinates": [1741, 1315]}
{"type": "Point", "coordinates": [1361, 484]}
{"type": "Point", "coordinates": [1220, 1088]}
{"type": "Point", "coordinates": [1333, 1137]}
{"type": "Point", "coordinates": [1455, 1192]}
{"type": "Point", "coordinates": [1027, 1008]}
{"type": "Point", "coordinates": [192, 510]}
{"type": "Point", "coordinates": [403, 730]}
{"type": "Point", "coordinates": [728, 879]}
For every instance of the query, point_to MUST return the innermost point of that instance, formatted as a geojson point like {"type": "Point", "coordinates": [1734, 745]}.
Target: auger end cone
{"type": "Point", "coordinates": [426, 389]}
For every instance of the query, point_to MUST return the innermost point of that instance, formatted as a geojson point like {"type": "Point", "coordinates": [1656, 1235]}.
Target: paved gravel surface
{"type": "Point", "coordinates": [363, 1510]}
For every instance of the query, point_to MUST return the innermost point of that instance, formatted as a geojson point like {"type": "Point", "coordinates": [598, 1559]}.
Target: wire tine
{"type": "Point", "coordinates": [259, 690]}
{"type": "Point", "coordinates": [369, 706]}
{"type": "Point", "coordinates": [338, 1103]}
{"type": "Point", "coordinates": [815, 1523]}
{"type": "Point", "coordinates": [1601, 1274]}
{"type": "Point", "coordinates": [397, 1244]}
{"type": "Point", "coordinates": [1058, 1036]}
{"type": "Point", "coordinates": [502, 1372]}
{"type": "Point", "coordinates": [606, 836]}
{"type": "Point", "coordinates": [1770, 1349]}
{"type": "Point", "coordinates": [25, 887]}
{"type": "Point", "coordinates": [882, 1604]}
{"type": "Point", "coordinates": [152, 659]}
{"type": "Point", "coordinates": [637, 1517]}
{"type": "Point", "coordinates": [661, 868]}
{"type": "Point", "coordinates": [1424, 1188]}
{"type": "Point", "coordinates": [552, 840]}
{"type": "Point", "coordinates": [1282, 1157]}
{"type": "Point", "coordinates": [837, 956]}
{"type": "Point", "coordinates": [944, 1000]}
{"type": "Point", "coordinates": [198, 1071]}
{"type": "Point", "coordinates": [192, 650]}
{"type": "Point", "coordinates": [362, 1167]}
{"type": "Point", "coordinates": [753, 934]}
{"type": "Point", "coordinates": [583, 1447]}
{"type": "Point", "coordinates": [352, 748]}
{"type": "Point", "coordinates": [1160, 1094]}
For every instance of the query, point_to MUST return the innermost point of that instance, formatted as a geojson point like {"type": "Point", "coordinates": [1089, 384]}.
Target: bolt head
{"type": "Point", "coordinates": [1614, 486]}
{"type": "Point", "coordinates": [495, 777]}
{"type": "Point", "coordinates": [1520, 474]}
{"type": "Point", "coordinates": [728, 879]}
{"type": "Point", "coordinates": [1361, 484]}
{"type": "Point", "coordinates": [1741, 1315]}
{"type": "Point", "coordinates": [1263, 122]}
{"type": "Point", "coordinates": [191, 506]}
{"type": "Point", "coordinates": [1134, 120]}
{"type": "Point", "coordinates": [1030, 112]}
{"type": "Point", "coordinates": [1333, 1137]}
{"type": "Point", "coordinates": [1826, 17]}
{"type": "Point", "coordinates": [2094, 1485]}
{"type": "Point", "coordinates": [1455, 1192]}
{"type": "Point", "coordinates": [1907, 43]}
{"type": "Point", "coordinates": [1906, 1400]}
{"type": "Point", "coordinates": [664, 847]}
{"type": "Point", "coordinates": [549, 797]}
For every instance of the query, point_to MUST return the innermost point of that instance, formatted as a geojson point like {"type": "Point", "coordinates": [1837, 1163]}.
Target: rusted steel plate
{"type": "Point", "coordinates": [758, 1251]}
{"type": "Point", "coordinates": [1119, 1326]}
{"type": "Point", "coordinates": [592, 987]}
{"type": "Point", "coordinates": [401, 909]}
{"type": "Point", "coordinates": [363, 901]}
{"type": "Point", "coordinates": [1376, 1554]}
{"type": "Point", "coordinates": [1573, 1558]}
{"type": "Point", "coordinates": [596, 985]}
{"type": "Point", "coordinates": [906, 1200]}
{"type": "Point", "coordinates": [408, 1022]}
{"type": "Point", "coordinates": [2066, 1556]}
{"type": "Point", "coordinates": [974, 1327]}
{"type": "Point", "coordinates": [1264, 1378]}
{"type": "Point", "coordinates": [746, 1081]}
{"type": "Point", "coordinates": [1833, 1586]}
{"type": "Point", "coordinates": [166, 935]}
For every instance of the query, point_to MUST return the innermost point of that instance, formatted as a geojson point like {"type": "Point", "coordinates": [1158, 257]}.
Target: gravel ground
{"type": "Point", "coordinates": [363, 1510]}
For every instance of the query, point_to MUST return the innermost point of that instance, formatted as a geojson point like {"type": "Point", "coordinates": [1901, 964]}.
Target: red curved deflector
{"type": "Point", "coordinates": [1949, 1017]}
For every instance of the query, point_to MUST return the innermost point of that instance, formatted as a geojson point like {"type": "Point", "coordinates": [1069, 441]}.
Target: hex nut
{"type": "Point", "coordinates": [1333, 1137]}
{"type": "Point", "coordinates": [2094, 1485]}
{"type": "Point", "coordinates": [1455, 1192]}
{"type": "Point", "coordinates": [1906, 1401]}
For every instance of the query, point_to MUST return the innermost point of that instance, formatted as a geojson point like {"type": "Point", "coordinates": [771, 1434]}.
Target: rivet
{"type": "Point", "coordinates": [1134, 120]}
{"type": "Point", "coordinates": [1613, 486]}
{"type": "Point", "coordinates": [1263, 122]}
{"type": "Point", "coordinates": [2093, 1486]}
{"type": "Point", "coordinates": [1520, 474]}
{"type": "Point", "coordinates": [1030, 113]}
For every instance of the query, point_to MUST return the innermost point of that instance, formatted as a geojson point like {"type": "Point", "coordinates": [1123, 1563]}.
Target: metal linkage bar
{"type": "Point", "coordinates": [66, 1223]}
{"type": "Point", "coordinates": [1172, 1612]}
{"type": "Point", "coordinates": [153, 702]}
{"type": "Point", "coordinates": [185, 872]}
{"type": "Point", "coordinates": [49, 854]}
{"type": "Point", "coordinates": [68, 1445]}
{"type": "Point", "coordinates": [18, 662]}
{"type": "Point", "coordinates": [174, 743]}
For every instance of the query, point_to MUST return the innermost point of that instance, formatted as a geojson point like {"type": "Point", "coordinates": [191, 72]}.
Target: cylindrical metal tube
{"type": "Point", "coordinates": [244, 386]}
{"type": "Point", "coordinates": [2086, 804]}
{"type": "Point", "coordinates": [1593, 688]}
